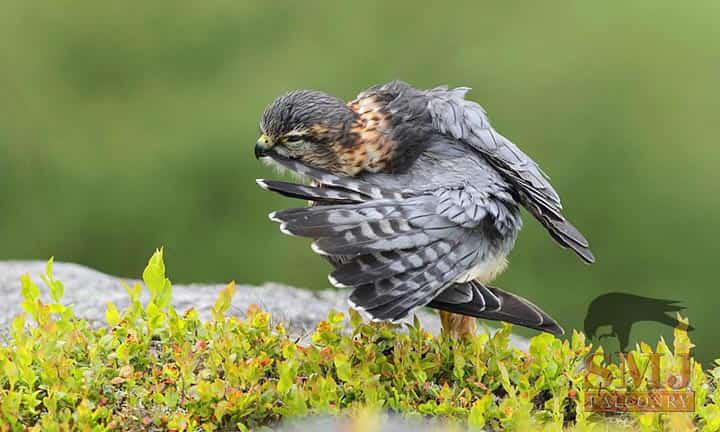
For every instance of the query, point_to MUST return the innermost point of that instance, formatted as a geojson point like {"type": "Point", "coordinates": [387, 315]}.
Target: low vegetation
{"type": "Point", "coordinates": [154, 368]}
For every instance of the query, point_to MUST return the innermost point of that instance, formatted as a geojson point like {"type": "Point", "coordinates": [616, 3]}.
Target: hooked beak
{"type": "Point", "coordinates": [262, 146]}
{"type": "Point", "coordinates": [259, 151]}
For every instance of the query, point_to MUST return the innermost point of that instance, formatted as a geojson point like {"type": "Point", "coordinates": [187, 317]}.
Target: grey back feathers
{"type": "Point", "coordinates": [466, 122]}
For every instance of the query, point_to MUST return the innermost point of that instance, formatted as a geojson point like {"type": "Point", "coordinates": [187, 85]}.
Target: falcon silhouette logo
{"type": "Point", "coordinates": [621, 311]}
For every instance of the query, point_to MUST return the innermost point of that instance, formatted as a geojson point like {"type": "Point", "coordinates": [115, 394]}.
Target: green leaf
{"type": "Point", "coordinates": [112, 315]}
{"type": "Point", "coordinates": [56, 308]}
{"type": "Point", "coordinates": [355, 318]}
{"type": "Point", "coordinates": [57, 289]}
{"type": "Point", "coordinates": [288, 373]}
{"type": "Point", "coordinates": [505, 380]}
{"type": "Point", "coordinates": [458, 365]}
{"type": "Point", "coordinates": [18, 326]}
{"type": "Point", "coordinates": [335, 317]}
{"type": "Point", "coordinates": [177, 324]}
{"type": "Point", "coordinates": [156, 317]}
{"type": "Point", "coordinates": [133, 291]}
{"type": "Point", "coordinates": [154, 277]}
{"type": "Point", "coordinates": [223, 302]}
{"type": "Point", "coordinates": [476, 417]}
{"type": "Point", "coordinates": [289, 351]}
{"type": "Point", "coordinates": [49, 266]}
{"type": "Point", "coordinates": [28, 289]}
{"type": "Point", "coordinates": [342, 366]}
{"type": "Point", "coordinates": [171, 399]}
{"type": "Point", "coordinates": [188, 374]}
{"type": "Point", "coordinates": [31, 295]}
{"type": "Point", "coordinates": [711, 415]}
{"type": "Point", "coordinates": [123, 352]}
{"type": "Point", "coordinates": [11, 373]}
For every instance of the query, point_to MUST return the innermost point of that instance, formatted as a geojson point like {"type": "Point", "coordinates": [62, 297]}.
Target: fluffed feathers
{"type": "Point", "coordinates": [323, 195]}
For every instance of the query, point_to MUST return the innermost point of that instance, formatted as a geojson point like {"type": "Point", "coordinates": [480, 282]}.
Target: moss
{"type": "Point", "coordinates": [152, 367]}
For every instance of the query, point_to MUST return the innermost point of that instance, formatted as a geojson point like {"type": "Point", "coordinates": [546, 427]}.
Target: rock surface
{"type": "Point", "coordinates": [89, 291]}
{"type": "Point", "coordinates": [380, 424]}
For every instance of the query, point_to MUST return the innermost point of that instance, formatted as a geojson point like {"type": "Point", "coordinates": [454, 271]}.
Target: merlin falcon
{"type": "Point", "coordinates": [414, 198]}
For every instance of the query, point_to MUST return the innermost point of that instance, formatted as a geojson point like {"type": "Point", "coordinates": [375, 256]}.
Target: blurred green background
{"type": "Point", "coordinates": [128, 126]}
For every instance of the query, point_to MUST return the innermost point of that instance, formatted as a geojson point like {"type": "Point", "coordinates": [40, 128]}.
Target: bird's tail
{"type": "Point", "coordinates": [495, 304]}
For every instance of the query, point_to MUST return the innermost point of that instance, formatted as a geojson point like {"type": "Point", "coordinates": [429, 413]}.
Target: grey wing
{"type": "Point", "coordinates": [399, 253]}
{"type": "Point", "coordinates": [466, 121]}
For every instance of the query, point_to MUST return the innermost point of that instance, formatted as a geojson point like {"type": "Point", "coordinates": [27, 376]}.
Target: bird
{"type": "Point", "coordinates": [414, 198]}
{"type": "Point", "coordinates": [620, 311]}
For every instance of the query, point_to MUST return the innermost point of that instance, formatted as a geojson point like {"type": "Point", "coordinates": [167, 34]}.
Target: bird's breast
{"type": "Point", "coordinates": [486, 270]}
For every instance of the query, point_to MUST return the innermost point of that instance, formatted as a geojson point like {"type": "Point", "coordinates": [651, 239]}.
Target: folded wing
{"type": "Point", "coordinates": [466, 121]}
{"type": "Point", "coordinates": [398, 250]}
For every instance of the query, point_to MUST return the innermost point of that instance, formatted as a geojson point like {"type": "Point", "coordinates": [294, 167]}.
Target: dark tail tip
{"type": "Point", "coordinates": [513, 309]}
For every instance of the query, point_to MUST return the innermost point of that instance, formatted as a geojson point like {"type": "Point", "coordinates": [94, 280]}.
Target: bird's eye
{"type": "Point", "coordinates": [294, 138]}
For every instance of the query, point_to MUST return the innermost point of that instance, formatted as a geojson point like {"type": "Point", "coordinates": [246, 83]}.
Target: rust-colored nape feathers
{"type": "Point", "coordinates": [369, 146]}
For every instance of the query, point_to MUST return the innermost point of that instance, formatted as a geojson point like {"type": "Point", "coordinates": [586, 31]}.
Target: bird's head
{"type": "Point", "coordinates": [307, 125]}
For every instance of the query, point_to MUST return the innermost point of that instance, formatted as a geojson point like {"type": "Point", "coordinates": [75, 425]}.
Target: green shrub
{"type": "Point", "coordinates": [151, 367]}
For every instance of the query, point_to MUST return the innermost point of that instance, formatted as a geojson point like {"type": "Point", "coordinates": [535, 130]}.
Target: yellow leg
{"type": "Point", "coordinates": [460, 326]}
{"type": "Point", "coordinates": [457, 326]}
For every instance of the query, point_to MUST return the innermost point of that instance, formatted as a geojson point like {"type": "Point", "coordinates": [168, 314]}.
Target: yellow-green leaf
{"type": "Point", "coordinates": [223, 302]}
{"type": "Point", "coordinates": [112, 315]}
{"type": "Point", "coordinates": [342, 366]}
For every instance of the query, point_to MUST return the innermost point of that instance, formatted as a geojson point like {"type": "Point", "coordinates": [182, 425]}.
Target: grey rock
{"type": "Point", "coordinates": [383, 423]}
{"type": "Point", "coordinates": [89, 291]}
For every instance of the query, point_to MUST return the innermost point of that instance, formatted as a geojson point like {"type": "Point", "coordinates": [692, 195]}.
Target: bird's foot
{"type": "Point", "coordinates": [457, 326]}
